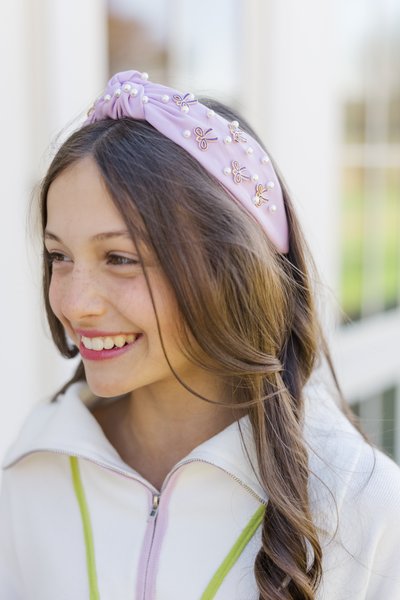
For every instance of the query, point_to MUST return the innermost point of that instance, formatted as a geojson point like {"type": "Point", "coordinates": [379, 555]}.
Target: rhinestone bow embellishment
{"type": "Point", "coordinates": [259, 199]}
{"type": "Point", "coordinates": [239, 173]}
{"type": "Point", "coordinates": [184, 102]}
{"type": "Point", "coordinates": [202, 139]}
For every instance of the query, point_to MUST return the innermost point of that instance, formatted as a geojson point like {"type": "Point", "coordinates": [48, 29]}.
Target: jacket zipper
{"type": "Point", "coordinates": [150, 531]}
{"type": "Point", "coordinates": [209, 462]}
{"type": "Point", "coordinates": [156, 537]}
{"type": "Point", "coordinates": [154, 507]}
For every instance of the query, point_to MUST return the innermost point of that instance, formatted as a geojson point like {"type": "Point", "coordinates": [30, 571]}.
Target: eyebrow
{"type": "Point", "coordinates": [48, 235]}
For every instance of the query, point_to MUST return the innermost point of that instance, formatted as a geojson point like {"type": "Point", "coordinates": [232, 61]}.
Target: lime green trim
{"type": "Point", "coordinates": [87, 529]}
{"type": "Point", "coordinates": [234, 554]}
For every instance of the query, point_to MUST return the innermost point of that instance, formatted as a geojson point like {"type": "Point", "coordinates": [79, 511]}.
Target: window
{"type": "Point", "coordinates": [378, 416]}
{"type": "Point", "coordinates": [370, 256]}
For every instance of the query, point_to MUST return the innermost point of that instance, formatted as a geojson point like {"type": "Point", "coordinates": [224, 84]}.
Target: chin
{"type": "Point", "coordinates": [105, 388]}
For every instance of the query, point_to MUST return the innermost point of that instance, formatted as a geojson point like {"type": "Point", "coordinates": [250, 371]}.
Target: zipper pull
{"type": "Point", "coordinates": [155, 504]}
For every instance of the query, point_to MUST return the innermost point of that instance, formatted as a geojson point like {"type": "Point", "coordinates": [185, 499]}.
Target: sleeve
{"type": "Point", "coordinates": [10, 581]}
{"type": "Point", "coordinates": [384, 581]}
{"type": "Point", "coordinates": [374, 524]}
{"type": "Point", "coordinates": [356, 495]}
{"type": "Point", "coordinates": [361, 553]}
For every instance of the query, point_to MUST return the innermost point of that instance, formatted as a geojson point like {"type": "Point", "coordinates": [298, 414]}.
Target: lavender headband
{"type": "Point", "coordinates": [232, 156]}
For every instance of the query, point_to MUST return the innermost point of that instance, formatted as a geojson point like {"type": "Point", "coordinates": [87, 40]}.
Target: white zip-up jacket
{"type": "Point", "coordinates": [92, 528]}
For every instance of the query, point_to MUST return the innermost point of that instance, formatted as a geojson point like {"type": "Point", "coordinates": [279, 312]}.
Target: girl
{"type": "Point", "coordinates": [195, 453]}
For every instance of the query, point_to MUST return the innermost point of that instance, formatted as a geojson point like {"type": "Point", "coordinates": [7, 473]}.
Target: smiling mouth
{"type": "Point", "coordinates": [108, 342]}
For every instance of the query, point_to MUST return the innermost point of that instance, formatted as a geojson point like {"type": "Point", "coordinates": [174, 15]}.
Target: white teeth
{"type": "Point", "coordinates": [119, 341]}
{"type": "Point", "coordinates": [97, 344]}
{"type": "Point", "coordinates": [87, 342]}
{"type": "Point", "coordinates": [108, 342]}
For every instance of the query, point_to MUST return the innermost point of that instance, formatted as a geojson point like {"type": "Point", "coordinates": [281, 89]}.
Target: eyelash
{"type": "Point", "coordinates": [121, 260]}
{"type": "Point", "coordinates": [112, 259]}
{"type": "Point", "coordinates": [53, 257]}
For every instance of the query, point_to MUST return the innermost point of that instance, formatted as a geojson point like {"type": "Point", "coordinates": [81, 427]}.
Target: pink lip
{"type": "Point", "coordinates": [105, 354]}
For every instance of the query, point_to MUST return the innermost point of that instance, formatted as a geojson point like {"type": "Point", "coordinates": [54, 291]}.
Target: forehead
{"type": "Point", "coordinates": [78, 199]}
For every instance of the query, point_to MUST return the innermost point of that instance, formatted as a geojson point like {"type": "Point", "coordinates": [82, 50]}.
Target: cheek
{"type": "Point", "coordinates": [133, 302]}
{"type": "Point", "coordinates": [168, 315]}
{"type": "Point", "coordinates": [54, 296]}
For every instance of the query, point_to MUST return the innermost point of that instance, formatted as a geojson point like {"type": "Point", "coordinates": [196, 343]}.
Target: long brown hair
{"type": "Point", "coordinates": [249, 309]}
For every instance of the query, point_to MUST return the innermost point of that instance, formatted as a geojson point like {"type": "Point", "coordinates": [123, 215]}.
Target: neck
{"type": "Point", "coordinates": [176, 417]}
{"type": "Point", "coordinates": [152, 431]}
{"type": "Point", "coordinates": [182, 422]}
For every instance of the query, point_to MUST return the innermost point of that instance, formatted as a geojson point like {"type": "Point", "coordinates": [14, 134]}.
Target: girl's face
{"type": "Point", "coordinates": [99, 293]}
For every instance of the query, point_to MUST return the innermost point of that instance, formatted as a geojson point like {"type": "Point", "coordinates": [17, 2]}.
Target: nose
{"type": "Point", "coordinates": [82, 296]}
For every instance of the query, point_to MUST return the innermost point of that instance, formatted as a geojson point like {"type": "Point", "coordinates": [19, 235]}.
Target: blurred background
{"type": "Point", "coordinates": [320, 82]}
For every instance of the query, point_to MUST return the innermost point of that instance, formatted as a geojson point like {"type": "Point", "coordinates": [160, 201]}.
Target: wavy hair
{"type": "Point", "coordinates": [249, 310]}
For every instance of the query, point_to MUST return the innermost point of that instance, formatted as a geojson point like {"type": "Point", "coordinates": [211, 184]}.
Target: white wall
{"type": "Point", "coordinates": [53, 57]}
{"type": "Point", "coordinates": [18, 344]}
{"type": "Point", "coordinates": [290, 61]}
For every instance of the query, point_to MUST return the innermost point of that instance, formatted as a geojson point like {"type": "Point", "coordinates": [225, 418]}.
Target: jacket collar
{"type": "Point", "coordinates": [68, 427]}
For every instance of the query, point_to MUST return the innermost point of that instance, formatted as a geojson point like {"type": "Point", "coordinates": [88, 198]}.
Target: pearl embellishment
{"type": "Point", "coordinates": [144, 76]}
{"type": "Point", "coordinates": [227, 171]}
{"type": "Point", "coordinates": [127, 87]}
{"type": "Point", "coordinates": [228, 139]}
{"type": "Point", "coordinates": [184, 108]}
{"type": "Point", "coordinates": [270, 185]}
{"type": "Point", "coordinates": [145, 100]}
{"type": "Point", "coordinates": [254, 177]}
{"type": "Point", "coordinates": [107, 98]}
{"type": "Point", "coordinates": [273, 208]}
{"type": "Point", "coordinates": [165, 98]}
{"type": "Point", "coordinates": [117, 93]}
{"type": "Point", "coordinates": [249, 150]}
{"type": "Point", "coordinates": [265, 160]}
{"type": "Point", "coordinates": [210, 113]}
{"type": "Point", "coordinates": [134, 92]}
{"type": "Point", "coordinates": [186, 133]}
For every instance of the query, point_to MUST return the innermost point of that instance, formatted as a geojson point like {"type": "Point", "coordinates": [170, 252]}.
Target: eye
{"type": "Point", "coordinates": [118, 260]}
{"type": "Point", "coordinates": [55, 257]}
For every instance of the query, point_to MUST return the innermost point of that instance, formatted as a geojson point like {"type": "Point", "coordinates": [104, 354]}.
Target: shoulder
{"type": "Point", "coordinates": [346, 470]}
{"type": "Point", "coordinates": [31, 430]}
{"type": "Point", "coordinates": [355, 502]}
{"type": "Point", "coordinates": [47, 424]}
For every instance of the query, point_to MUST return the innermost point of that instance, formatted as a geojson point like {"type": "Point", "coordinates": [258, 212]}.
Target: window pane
{"type": "Point", "coordinates": [352, 242]}
{"type": "Point", "coordinates": [371, 157]}
{"type": "Point", "coordinates": [378, 417]}
{"type": "Point", "coordinates": [389, 414]}
{"type": "Point", "coordinates": [394, 117]}
{"type": "Point", "coordinates": [354, 126]}
{"type": "Point", "coordinates": [392, 240]}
